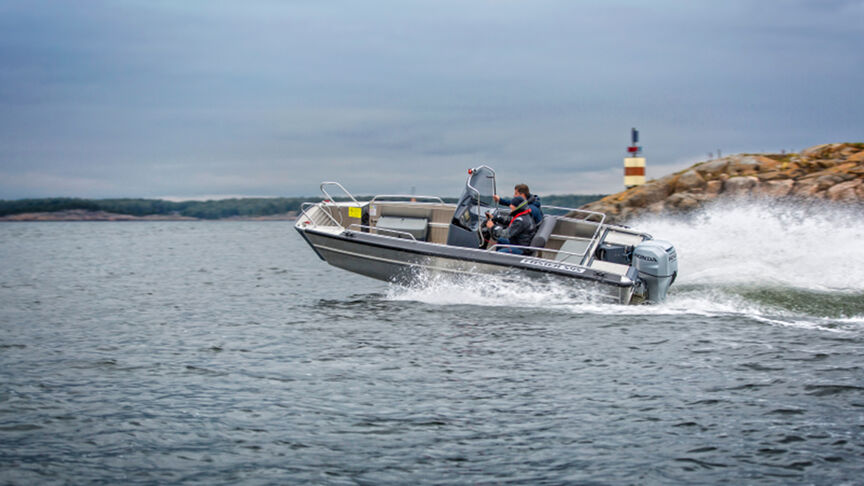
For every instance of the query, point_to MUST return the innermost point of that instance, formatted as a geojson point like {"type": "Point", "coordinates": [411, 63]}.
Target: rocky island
{"type": "Point", "coordinates": [830, 172]}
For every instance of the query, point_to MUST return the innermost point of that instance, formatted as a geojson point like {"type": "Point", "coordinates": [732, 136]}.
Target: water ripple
{"type": "Point", "coordinates": [220, 354]}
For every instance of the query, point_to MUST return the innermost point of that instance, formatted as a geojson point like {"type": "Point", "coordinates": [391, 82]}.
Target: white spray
{"type": "Point", "coordinates": [819, 248]}
{"type": "Point", "coordinates": [726, 246]}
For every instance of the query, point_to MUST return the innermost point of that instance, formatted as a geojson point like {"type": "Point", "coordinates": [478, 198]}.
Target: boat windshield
{"type": "Point", "coordinates": [476, 198]}
{"type": "Point", "coordinates": [481, 185]}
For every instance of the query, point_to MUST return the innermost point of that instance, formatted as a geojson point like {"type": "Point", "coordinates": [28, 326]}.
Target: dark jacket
{"type": "Point", "coordinates": [519, 230]}
{"type": "Point", "coordinates": [532, 202]}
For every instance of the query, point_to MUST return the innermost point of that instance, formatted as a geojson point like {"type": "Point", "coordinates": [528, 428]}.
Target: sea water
{"type": "Point", "coordinates": [227, 353]}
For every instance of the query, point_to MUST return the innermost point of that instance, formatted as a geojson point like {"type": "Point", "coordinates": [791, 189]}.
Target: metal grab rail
{"type": "Point", "coordinates": [340, 186]}
{"type": "Point", "coordinates": [406, 196]}
{"type": "Point", "coordinates": [330, 198]}
{"type": "Point", "coordinates": [303, 208]}
{"type": "Point", "coordinates": [585, 219]}
{"type": "Point", "coordinates": [382, 229]}
{"type": "Point", "coordinates": [539, 249]}
{"type": "Point", "coordinates": [306, 205]}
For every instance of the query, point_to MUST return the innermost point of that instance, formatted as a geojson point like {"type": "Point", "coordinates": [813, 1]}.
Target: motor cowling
{"type": "Point", "coordinates": [657, 264]}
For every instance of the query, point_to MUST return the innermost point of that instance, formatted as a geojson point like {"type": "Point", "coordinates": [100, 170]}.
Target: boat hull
{"type": "Point", "coordinates": [405, 261]}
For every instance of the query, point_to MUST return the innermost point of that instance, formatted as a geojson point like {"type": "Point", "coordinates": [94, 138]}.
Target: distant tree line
{"type": "Point", "coordinates": [223, 208]}
{"type": "Point", "coordinates": [214, 209]}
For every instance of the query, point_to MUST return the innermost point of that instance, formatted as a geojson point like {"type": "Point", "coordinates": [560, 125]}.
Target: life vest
{"type": "Point", "coordinates": [520, 214]}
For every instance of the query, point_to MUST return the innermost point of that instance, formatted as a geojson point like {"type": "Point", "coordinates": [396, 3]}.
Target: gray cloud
{"type": "Point", "coordinates": [151, 99]}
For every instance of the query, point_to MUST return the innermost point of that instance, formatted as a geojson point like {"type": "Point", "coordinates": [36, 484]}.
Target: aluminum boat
{"type": "Point", "coordinates": [400, 238]}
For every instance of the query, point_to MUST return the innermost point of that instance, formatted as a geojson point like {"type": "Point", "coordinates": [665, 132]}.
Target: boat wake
{"type": "Point", "coordinates": [782, 264]}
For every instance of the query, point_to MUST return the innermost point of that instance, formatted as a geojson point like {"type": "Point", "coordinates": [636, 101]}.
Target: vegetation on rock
{"type": "Point", "coordinates": [830, 172]}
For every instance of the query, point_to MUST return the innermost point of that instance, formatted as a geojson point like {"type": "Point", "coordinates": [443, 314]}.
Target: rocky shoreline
{"type": "Point", "coordinates": [830, 172]}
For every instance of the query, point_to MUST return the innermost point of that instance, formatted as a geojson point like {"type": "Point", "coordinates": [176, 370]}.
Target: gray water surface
{"type": "Point", "coordinates": [227, 353]}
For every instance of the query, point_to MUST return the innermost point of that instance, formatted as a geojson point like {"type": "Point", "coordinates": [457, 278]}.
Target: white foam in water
{"type": "Point", "coordinates": [752, 243]}
{"type": "Point", "coordinates": [487, 291]}
{"type": "Point", "coordinates": [745, 244]}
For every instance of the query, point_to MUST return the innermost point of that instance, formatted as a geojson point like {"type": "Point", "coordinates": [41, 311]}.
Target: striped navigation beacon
{"type": "Point", "coordinates": [634, 166]}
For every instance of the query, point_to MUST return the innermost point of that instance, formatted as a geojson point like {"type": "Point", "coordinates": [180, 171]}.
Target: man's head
{"type": "Point", "coordinates": [522, 190]}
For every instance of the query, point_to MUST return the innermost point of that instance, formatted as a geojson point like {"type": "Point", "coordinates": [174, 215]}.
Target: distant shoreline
{"type": "Point", "coordinates": [74, 215]}
{"type": "Point", "coordinates": [127, 209]}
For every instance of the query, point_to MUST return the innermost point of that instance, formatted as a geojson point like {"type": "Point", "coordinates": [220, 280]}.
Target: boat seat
{"type": "Point", "coordinates": [575, 249]}
{"type": "Point", "coordinates": [622, 239]}
{"type": "Point", "coordinates": [398, 225]}
{"type": "Point", "coordinates": [541, 237]}
{"type": "Point", "coordinates": [610, 267]}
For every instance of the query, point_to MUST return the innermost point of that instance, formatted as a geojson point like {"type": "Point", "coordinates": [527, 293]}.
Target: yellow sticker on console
{"type": "Point", "coordinates": [355, 212]}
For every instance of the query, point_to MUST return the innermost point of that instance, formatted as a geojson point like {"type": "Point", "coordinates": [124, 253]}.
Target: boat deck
{"type": "Point", "coordinates": [572, 240]}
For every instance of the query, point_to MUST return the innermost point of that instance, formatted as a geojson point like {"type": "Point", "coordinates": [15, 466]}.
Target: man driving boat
{"type": "Point", "coordinates": [530, 200]}
{"type": "Point", "coordinates": [519, 230]}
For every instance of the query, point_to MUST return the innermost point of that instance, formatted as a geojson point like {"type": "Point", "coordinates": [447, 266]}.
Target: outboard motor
{"type": "Point", "coordinates": [657, 264]}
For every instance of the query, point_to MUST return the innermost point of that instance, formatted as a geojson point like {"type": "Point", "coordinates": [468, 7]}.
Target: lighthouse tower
{"type": "Point", "coordinates": [634, 165]}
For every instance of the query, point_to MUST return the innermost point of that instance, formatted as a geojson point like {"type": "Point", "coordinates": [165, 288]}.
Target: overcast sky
{"type": "Point", "coordinates": [190, 99]}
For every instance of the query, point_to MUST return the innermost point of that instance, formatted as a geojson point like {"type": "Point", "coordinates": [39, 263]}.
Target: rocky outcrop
{"type": "Point", "coordinates": [830, 172]}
